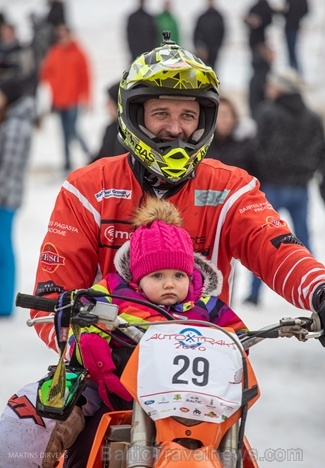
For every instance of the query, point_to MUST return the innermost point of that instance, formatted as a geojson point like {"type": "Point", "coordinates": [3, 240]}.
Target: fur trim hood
{"type": "Point", "coordinates": [212, 277]}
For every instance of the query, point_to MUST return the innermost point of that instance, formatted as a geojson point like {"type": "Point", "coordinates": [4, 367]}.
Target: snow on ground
{"type": "Point", "coordinates": [286, 426]}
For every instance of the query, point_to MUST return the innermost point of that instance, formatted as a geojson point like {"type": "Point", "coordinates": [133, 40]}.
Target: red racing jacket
{"type": "Point", "coordinates": [224, 211]}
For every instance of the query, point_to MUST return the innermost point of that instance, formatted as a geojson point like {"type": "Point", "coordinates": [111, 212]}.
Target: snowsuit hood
{"type": "Point", "coordinates": [206, 281]}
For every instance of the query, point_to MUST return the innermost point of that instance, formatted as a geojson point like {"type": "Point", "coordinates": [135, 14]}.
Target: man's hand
{"type": "Point", "coordinates": [319, 305]}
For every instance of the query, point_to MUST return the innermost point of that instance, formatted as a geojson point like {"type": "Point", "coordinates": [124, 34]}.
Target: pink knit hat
{"type": "Point", "coordinates": [159, 243]}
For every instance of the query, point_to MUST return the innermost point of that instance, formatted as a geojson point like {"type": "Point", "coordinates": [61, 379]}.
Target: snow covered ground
{"type": "Point", "coordinates": [287, 425]}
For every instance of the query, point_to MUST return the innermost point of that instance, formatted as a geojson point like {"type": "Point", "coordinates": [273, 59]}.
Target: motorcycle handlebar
{"type": "Point", "coordinates": [300, 326]}
{"type": "Point", "coordinates": [27, 301]}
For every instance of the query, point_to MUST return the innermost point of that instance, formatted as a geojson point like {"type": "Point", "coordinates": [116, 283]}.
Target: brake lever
{"type": "Point", "coordinates": [302, 328]}
{"type": "Point", "coordinates": [317, 334]}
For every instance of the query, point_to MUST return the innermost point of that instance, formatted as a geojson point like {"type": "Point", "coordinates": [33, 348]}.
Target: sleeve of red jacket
{"type": "Point", "coordinates": [69, 252]}
{"type": "Point", "coordinates": [264, 243]}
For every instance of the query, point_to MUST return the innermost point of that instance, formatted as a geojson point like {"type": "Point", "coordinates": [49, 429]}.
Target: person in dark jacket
{"type": "Point", "coordinates": [257, 19]}
{"type": "Point", "coordinates": [16, 59]}
{"type": "Point", "coordinates": [110, 145]}
{"type": "Point", "coordinates": [234, 138]}
{"type": "Point", "coordinates": [291, 149]}
{"type": "Point", "coordinates": [294, 11]}
{"type": "Point", "coordinates": [209, 33]}
{"type": "Point", "coordinates": [56, 14]}
{"type": "Point", "coordinates": [141, 31]}
{"type": "Point", "coordinates": [43, 37]}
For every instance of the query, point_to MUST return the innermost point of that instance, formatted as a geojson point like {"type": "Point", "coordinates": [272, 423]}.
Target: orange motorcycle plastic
{"type": "Point", "coordinates": [173, 437]}
{"type": "Point", "coordinates": [196, 426]}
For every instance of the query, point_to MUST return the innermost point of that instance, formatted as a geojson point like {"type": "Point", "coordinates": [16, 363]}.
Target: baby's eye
{"type": "Point", "coordinates": [157, 275]}
{"type": "Point", "coordinates": [180, 275]}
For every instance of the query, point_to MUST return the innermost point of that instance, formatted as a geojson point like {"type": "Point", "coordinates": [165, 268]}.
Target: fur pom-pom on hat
{"type": "Point", "coordinates": [155, 209]}
{"type": "Point", "coordinates": [159, 242]}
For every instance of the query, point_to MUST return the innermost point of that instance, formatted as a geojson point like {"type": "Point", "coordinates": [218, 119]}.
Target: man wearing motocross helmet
{"type": "Point", "coordinates": [168, 77]}
{"type": "Point", "coordinates": [168, 105]}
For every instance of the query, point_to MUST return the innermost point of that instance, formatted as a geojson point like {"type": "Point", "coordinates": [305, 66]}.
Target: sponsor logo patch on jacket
{"type": "Point", "coordinates": [210, 197]}
{"type": "Point", "coordinates": [285, 239]}
{"type": "Point", "coordinates": [48, 287]}
{"type": "Point", "coordinates": [274, 222]}
{"type": "Point", "coordinates": [115, 232]}
{"type": "Point", "coordinates": [113, 193]}
{"type": "Point", "coordinates": [50, 258]}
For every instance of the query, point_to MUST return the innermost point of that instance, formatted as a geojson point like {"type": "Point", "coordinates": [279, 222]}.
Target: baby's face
{"type": "Point", "coordinates": [165, 287]}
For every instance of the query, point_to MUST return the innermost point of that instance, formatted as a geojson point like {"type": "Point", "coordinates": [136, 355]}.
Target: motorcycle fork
{"type": "Point", "coordinates": [228, 448]}
{"type": "Point", "coordinates": [140, 452]}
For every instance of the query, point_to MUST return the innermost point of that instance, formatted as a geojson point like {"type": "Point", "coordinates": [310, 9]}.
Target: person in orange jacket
{"type": "Point", "coordinates": [66, 70]}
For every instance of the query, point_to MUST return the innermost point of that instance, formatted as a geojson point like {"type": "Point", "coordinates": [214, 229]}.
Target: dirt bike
{"type": "Point", "coordinates": [191, 408]}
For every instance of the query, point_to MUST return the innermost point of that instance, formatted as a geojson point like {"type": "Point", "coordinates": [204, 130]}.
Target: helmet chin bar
{"type": "Point", "coordinates": [171, 148]}
{"type": "Point", "coordinates": [171, 161]}
{"type": "Point", "coordinates": [178, 161]}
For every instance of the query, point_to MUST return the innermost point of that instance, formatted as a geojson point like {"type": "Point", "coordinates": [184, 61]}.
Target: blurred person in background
{"type": "Point", "coordinates": [110, 145]}
{"type": "Point", "coordinates": [66, 70]}
{"type": "Point", "coordinates": [141, 31]}
{"type": "Point", "coordinates": [56, 13]}
{"type": "Point", "coordinates": [2, 17]}
{"type": "Point", "coordinates": [293, 11]}
{"type": "Point", "coordinates": [209, 34]}
{"type": "Point", "coordinates": [43, 34]}
{"type": "Point", "coordinates": [291, 149]}
{"type": "Point", "coordinates": [167, 21]}
{"type": "Point", "coordinates": [234, 138]}
{"type": "Point", "coordinates": [16, 58]}
{"type": "Point", "coordinates": [16, 127]}
{"type": "Point", "coordinates": [257, 20]}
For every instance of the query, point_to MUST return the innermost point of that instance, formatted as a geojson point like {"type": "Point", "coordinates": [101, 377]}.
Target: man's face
{"type": "Point", "coordinates": [169, 119]}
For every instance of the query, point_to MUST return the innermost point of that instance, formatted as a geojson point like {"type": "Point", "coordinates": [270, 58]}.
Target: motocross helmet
{"type": "Point", "coordinates": [172, 71]}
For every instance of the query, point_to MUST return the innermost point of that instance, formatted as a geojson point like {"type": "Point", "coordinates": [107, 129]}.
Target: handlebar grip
{"type": "Point", "coordinates": [27, 301]}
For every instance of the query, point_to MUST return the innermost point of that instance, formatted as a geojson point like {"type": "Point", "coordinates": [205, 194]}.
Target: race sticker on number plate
{"type": "Point", "coordinates": [188, 371]}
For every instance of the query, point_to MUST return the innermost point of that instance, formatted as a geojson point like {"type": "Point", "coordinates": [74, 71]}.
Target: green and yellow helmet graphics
{"type": "Point", "coordinates": [167, 71]}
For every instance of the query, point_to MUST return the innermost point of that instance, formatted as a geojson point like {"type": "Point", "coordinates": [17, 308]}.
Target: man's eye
{"type": "Point", "coordinates": [188, 116]}
{"type": "Point", "coordinates": [159, 114]}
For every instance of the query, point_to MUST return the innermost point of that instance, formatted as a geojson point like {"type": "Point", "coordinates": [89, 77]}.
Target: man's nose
{"type": "Point", "coordinates": [174, 127]}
